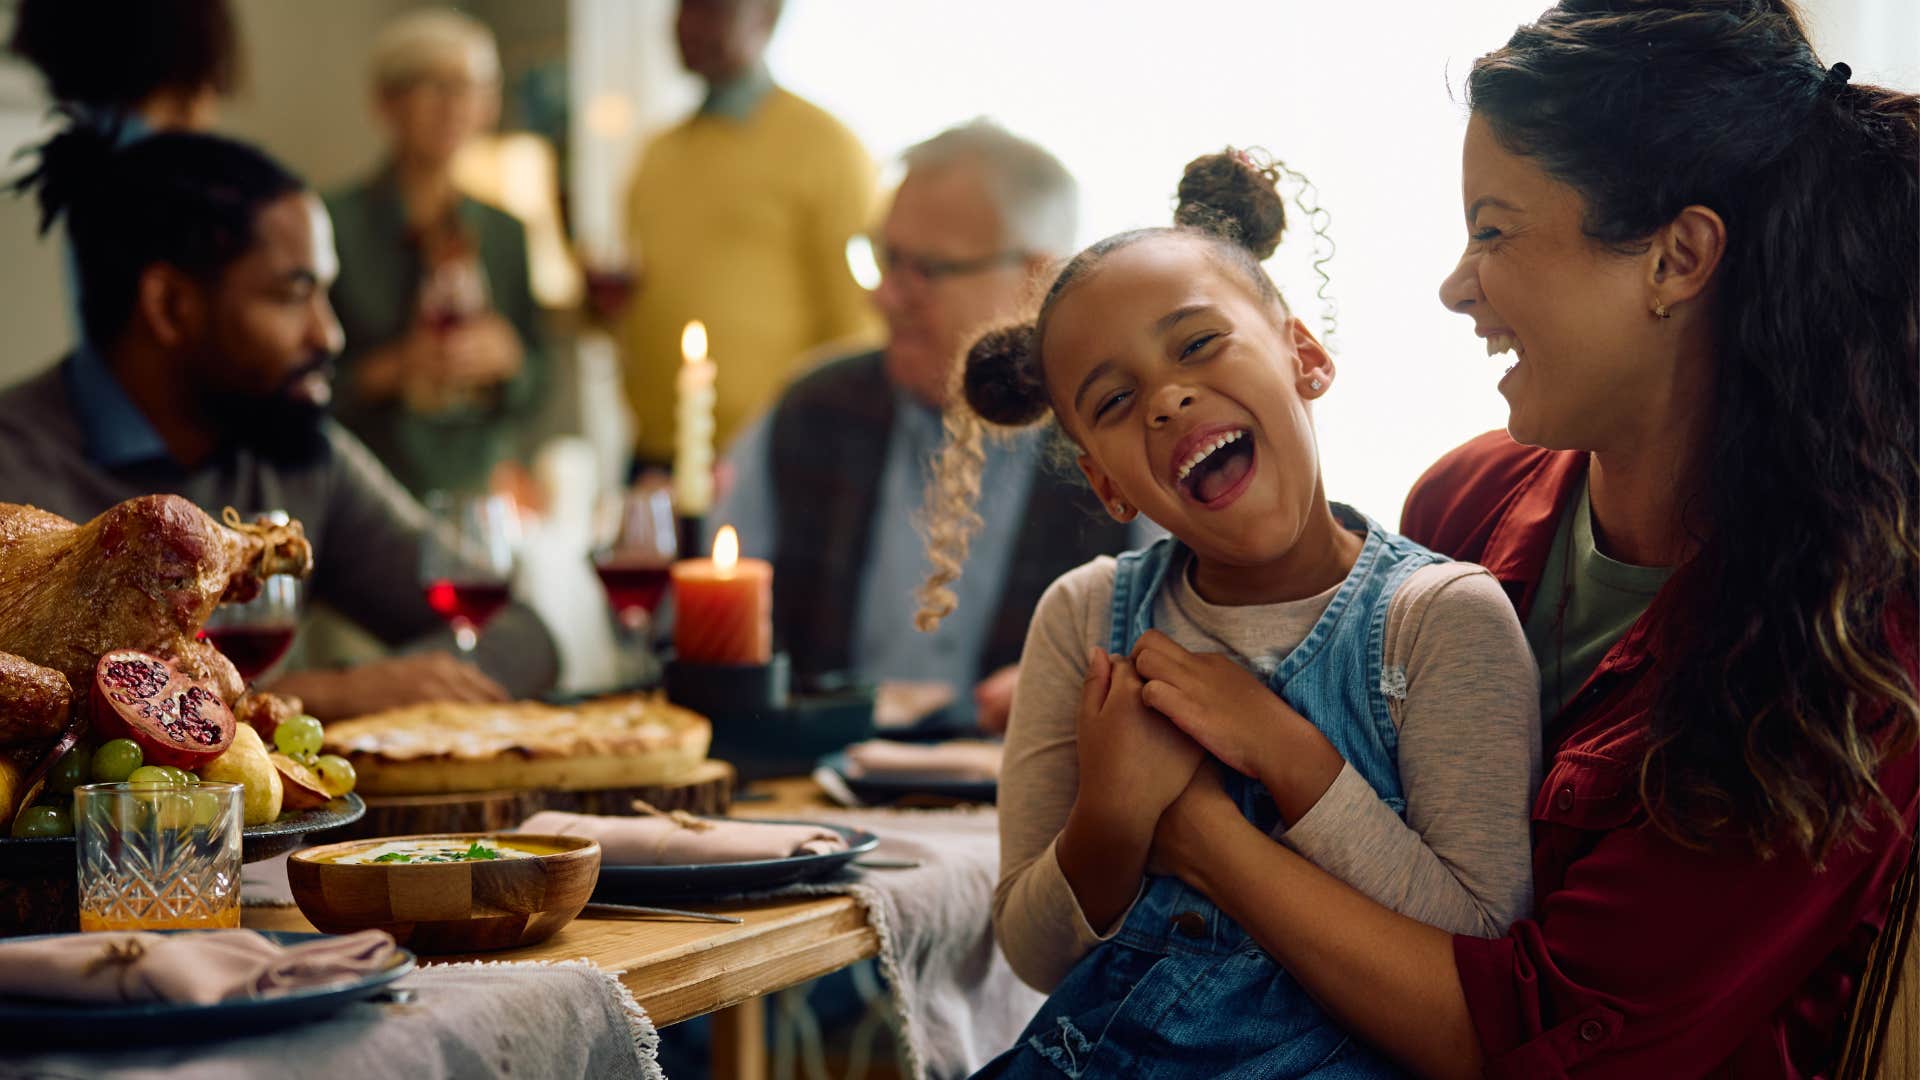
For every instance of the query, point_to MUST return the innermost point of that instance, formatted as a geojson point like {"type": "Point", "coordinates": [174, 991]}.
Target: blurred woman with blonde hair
{"type": "Point", "coordinates": [442, 362]}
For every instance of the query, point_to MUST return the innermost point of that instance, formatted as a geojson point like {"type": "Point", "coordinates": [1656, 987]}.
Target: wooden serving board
{"type": "Point", "coordinates": [708, 789]}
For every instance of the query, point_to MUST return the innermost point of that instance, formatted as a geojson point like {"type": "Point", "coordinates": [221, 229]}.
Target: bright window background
{"type": "Point", "coordinates": [1362, 97]}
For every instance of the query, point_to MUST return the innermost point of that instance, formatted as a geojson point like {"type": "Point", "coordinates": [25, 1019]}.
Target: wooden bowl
{"type": "Point", "coordinates": [453, 907]}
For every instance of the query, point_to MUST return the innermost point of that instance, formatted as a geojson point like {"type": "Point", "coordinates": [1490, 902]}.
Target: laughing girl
{"type": "Point", "coordinates": [1398, 742]}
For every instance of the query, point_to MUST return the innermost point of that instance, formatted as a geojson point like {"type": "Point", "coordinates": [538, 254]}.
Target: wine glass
{"type": "Point", "coordinates": [254, 635]}
{"type": "Point", "coordinates": [634, 561]}
{"type": "Point", "coordinates": [453, 290]}
{"type": "Point", "coordinates": [467, 560]}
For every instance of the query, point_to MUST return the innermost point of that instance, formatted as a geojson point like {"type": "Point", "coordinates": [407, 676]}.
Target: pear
{"type": "Point", "coordinates": [247, 763]}
{"type": "Point", "coordinates": [11, 774]}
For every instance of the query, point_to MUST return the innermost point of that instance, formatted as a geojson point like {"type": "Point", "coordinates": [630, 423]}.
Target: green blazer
{"type": "Point", "coordinates": [374, 297]}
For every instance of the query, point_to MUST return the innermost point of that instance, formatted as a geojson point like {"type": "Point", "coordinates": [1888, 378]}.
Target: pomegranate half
{"type": "Point", "coordinates": [175, 720]}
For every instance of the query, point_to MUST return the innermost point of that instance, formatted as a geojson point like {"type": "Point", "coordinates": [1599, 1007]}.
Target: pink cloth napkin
{"type": "Point", "coordinates": [679, 839]}
{"type": "Point", "coordinates": [959, 760]}
{"type": "Point", "coordinates": [187, 969]}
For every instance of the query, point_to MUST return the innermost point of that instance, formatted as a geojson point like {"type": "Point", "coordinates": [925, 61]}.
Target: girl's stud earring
{"type": "Point", "coordinates": [1660, 311]}
{"type": "Point", "coordinates": [1315, 383]}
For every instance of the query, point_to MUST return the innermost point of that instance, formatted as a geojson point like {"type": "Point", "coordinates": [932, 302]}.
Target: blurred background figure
{"type": "Point", "coordinates": [205, 266]}
{"type": "Point", "coordinates": [739, 217]}
{"type": "Point", "coordinates": [830, 483]}
{"type": "Point", "coordinates": [160, 66]}
{"type": "Point", "coordinates": [153, 66]}
{"type": "Point", "coordinates": [443, 364]}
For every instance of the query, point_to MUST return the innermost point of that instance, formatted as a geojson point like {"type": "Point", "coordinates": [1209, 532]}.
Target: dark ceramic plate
{"type": "Point", "coordinates": [256, 842]}
{"type": "Point", "coordinates": [881, 788]}
{"type": "Point", "coordinates": [645, 884]}
{"type": "Point", "coordinates": [29, 1024]}
{"type": "Point", "coordinates": [290, 830]}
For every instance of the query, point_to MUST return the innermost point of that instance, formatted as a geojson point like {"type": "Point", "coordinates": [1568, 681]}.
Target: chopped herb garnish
{"type": "Point", "coordinates": [476, 852]}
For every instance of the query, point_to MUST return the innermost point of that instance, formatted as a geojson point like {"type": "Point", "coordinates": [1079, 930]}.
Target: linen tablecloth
{"type": "Point", "coordinates": [958, 1002]}
{"type": "Point", "coordinates": [512, 1021]}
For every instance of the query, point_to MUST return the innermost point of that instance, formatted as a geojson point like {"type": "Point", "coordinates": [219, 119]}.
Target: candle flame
{"type": "Point", "coordinates": [726, 549]}
{"type": "Point", "coordinates": [693, 342]}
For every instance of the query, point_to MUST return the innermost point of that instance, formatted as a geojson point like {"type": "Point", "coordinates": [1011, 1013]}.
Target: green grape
{"type": "Point", "coordinates": [337, 774]}
{"type": "Point", "coordinates": [299, 737]}
{"type": "Point", "coordinates": [155, 776]}
{"type": "Point", "coordinates": [71, 770]}
{"type": "Point", "coordinates": [179, 776]}
{"type": "Point", "coordinates": [206, 807]}
{"type": "Point", "coordinates": [173, 810]}
{"type": "Point", "coordinates": [116, 760]}
{"type": "Point", "coordinates": [43, 821]}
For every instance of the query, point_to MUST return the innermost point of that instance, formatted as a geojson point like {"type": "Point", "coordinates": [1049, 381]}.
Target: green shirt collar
{"type": "Point", "coordinates": [736, 99]}
{"type": "Point", "coordinates": [1591, 562]}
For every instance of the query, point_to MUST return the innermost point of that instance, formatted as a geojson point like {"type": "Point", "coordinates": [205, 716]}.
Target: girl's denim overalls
{"type": "Point", "coordinates": [1181, 991]}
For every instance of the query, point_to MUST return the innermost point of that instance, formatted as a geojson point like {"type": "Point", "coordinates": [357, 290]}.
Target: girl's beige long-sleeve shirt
{"type": "Point", "coordinates": [1469, 755]}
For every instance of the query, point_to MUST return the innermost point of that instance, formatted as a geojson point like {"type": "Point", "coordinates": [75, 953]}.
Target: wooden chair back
{"type": "Point", "coordinates": [1883, 1033]}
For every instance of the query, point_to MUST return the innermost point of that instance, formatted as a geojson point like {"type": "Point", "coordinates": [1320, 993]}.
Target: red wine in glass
{"type": "Point", "coordinates": [466, 562]}
{"type": "Point", "coordinates": [469, 602]}
{"type": "Point", "coordinates": [634, 587]}
{"type": "Point", "coordinates": [252, 649]}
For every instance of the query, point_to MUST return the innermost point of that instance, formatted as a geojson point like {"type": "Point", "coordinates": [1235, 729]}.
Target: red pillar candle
{"type": "Point", "coordinates": [723, 606]}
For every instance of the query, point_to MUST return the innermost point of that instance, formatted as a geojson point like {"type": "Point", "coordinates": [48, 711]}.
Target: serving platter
{"type": "Point", "coordinates": [38, 890]}
{"type": "Point", "coordinates": [706, 789]}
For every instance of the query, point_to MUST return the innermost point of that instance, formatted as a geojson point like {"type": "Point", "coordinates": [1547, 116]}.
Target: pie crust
{"type": "Point", "coordinates": [627, 741]}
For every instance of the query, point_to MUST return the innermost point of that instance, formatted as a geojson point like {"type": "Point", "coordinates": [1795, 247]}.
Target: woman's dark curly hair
{"type": "Point", "coordinates": [1229, 201]}
{"type": "Point", "coordinates": [1780, 696]}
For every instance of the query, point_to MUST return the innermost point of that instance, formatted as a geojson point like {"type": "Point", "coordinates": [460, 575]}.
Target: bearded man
{"type": "Point", "coordinates": [205, 371]}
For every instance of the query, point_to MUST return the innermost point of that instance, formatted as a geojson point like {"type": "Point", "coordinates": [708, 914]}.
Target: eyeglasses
{"type": "Point", "coordinates": [932, 268]}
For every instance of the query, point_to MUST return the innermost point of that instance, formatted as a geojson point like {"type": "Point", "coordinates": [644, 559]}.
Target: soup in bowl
{"type": "Point", "coordinates": [448, 893]}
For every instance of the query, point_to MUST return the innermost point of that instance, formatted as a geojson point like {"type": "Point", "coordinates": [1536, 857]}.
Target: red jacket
{"type": "Point", "coordinates": [1644, 958]}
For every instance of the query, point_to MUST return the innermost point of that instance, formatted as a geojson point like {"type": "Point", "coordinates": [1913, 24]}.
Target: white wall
{"type": "Point", "coordinates": [306, 97]}
{"type": "Point", "coordinates": [33, 295]}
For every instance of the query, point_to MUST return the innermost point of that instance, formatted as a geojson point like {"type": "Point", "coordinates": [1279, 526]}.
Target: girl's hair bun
{"type": "Point", "coordinates": [1235, 196]}
{"type": "Point", "coordinates": [1002, 380]}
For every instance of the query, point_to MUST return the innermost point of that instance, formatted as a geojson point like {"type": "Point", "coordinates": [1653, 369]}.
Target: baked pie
{"type": "Point", "coordinates": [627, 741]}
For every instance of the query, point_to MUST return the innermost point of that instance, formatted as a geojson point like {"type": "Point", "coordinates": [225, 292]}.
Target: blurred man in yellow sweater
{"type": "Point", "coordinates": [739, 216]}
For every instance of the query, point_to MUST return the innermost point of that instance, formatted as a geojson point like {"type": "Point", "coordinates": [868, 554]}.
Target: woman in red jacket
{"type": "Point", "coordinates": [1696, 241]}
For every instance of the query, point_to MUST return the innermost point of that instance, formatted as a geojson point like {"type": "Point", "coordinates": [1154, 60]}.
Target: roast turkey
{"type": "Point", "coordinates": [143, 575]}
{"type": "Point", "coordinates": [34, 702]}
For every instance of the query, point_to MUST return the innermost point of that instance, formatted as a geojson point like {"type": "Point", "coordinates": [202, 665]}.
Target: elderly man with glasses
{"type": "Point", "coordinates": [829, 483]}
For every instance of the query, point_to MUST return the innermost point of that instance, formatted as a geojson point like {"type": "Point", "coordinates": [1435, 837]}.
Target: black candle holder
{"type": "Point", "coordinates": [730, 689]}
{"type": "Point", "coordinates": [690, 532]}
{"type": "Point", "coordinates": [759, 725]}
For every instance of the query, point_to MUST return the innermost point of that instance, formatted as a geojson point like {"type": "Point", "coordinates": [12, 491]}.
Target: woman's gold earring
{"type": "Point", "coordinates": [1660, 310]}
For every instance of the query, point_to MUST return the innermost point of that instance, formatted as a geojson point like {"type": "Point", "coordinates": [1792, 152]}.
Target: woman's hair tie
{"type": "Point", "coordinates": [1837, 76]}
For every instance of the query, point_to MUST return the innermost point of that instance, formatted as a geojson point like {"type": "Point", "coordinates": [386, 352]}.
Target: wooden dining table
{"type": "Point", "coordinates": [678, 969]}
